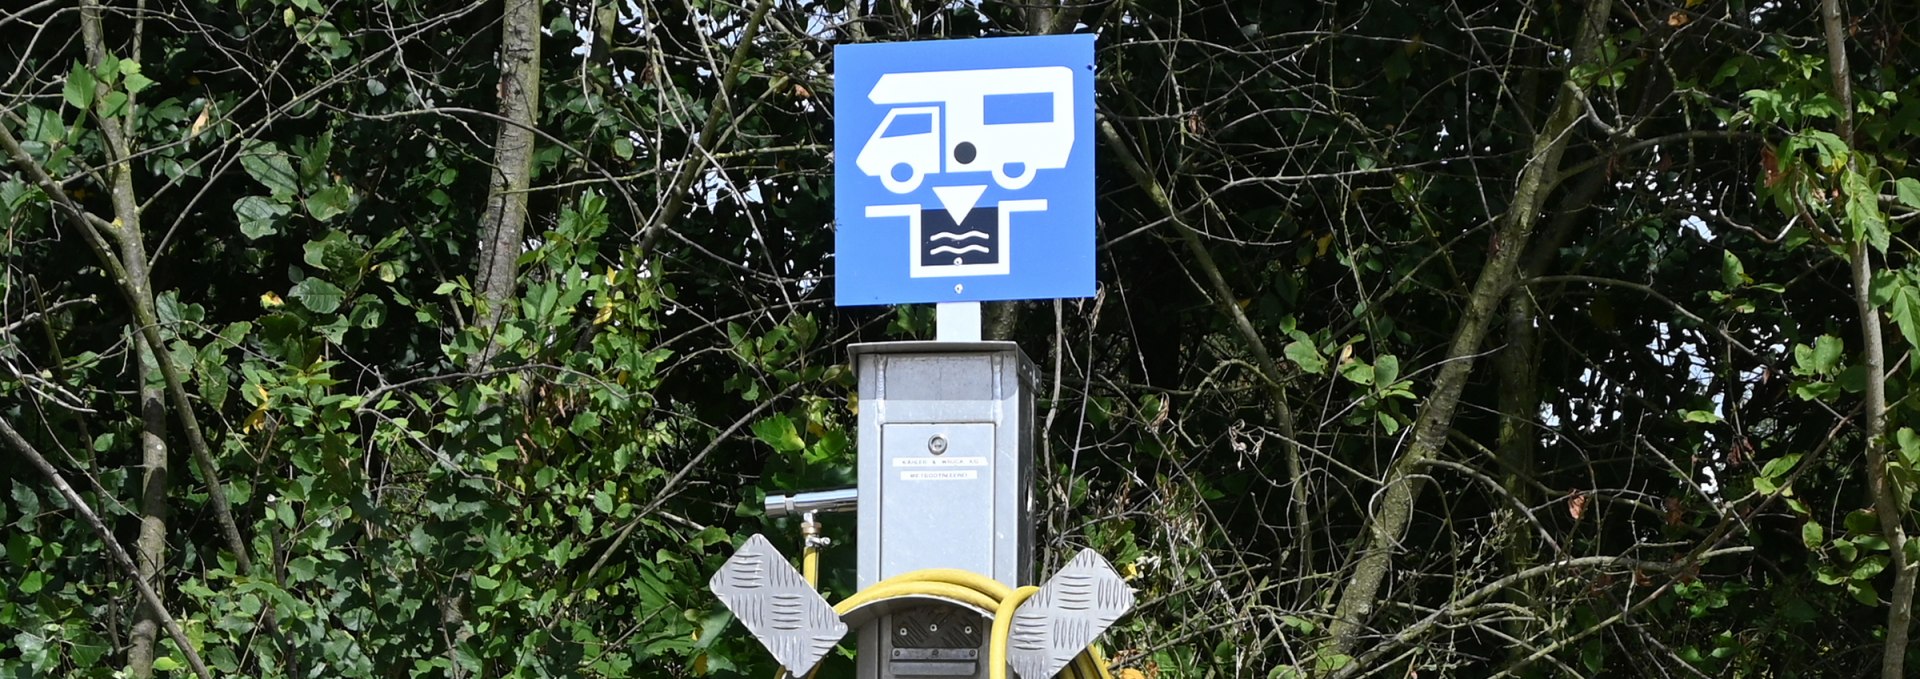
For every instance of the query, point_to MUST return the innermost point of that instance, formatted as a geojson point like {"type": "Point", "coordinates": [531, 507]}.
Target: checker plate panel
{"type": "Point", "coordinates": [777, 605]}
{"type": "Point", "coordinates": [1060, 620]}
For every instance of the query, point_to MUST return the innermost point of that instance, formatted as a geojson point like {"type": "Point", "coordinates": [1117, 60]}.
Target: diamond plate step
{"type": "Point", "coordinates": [1069, 612]}
{"type": "Point", "coordinates": [777, 605]}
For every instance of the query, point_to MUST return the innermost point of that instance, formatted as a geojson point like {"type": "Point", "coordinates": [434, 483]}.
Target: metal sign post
{"type": "Point", "coordinates": [965, 175]}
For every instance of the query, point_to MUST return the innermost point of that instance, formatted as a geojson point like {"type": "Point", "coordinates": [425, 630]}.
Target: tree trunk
{"type": "Point", "coordinates": [1887, 506]}
{"type": "Point", "coordinates": [1404, 481]}
{"type": "Point", "coordinates": [1518, 369]}
{"type": "Point", "coordinates": [503, 225]}
{"type": "Point", "coordinates": [114, 549]}
{"type": "Point", "coordinates": [150, 546]}
{"type": "Point", "coordinates": [129, 266]}
{"type": "Point", "coordinates": [149, 550]}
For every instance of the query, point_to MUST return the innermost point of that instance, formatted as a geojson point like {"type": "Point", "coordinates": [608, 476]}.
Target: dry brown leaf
{"type": "Point", "coordinates": [1678, 19]}
{"type": "Point", "coordinates": [1577, 505]}
{"type": "Point", "coordinates": [200, 123]}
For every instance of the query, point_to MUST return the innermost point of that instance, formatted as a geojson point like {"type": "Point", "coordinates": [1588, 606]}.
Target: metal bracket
{"type": "Point", "coordinates": [1067, 614]}
{"type": "Point", "coordinates": [777, 605]}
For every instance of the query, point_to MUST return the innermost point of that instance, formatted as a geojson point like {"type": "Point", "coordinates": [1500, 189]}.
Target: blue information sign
{"type": "Point", "coordinates": [963, 170]}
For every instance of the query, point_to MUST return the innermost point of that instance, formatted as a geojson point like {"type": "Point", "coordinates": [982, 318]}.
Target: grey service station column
{"type": "Point", "coordinates": [946, 431]}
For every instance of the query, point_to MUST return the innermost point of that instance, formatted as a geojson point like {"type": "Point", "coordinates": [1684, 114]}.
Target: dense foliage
{"type": "Point", "coordinates": [427, 338]}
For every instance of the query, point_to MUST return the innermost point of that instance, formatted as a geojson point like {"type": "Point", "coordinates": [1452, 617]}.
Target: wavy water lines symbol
{"type": "Point", "coordinates": [945, 235]}
{"type": "Point", "coordinates": [951, 250]}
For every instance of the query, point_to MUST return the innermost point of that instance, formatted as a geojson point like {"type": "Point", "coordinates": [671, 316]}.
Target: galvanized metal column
{"type": "Point", "coordinates": [946, 456]}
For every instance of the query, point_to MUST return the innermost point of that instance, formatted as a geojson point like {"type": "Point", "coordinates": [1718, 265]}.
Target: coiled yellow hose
{"type": "Point", "coordinates": [980, 592]}
{"type": "Point", "coordinates": [964, 587]}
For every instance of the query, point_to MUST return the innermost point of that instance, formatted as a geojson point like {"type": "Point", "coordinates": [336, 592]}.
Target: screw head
{"type": "Point", "coordinates": [903, 631]}
{"type": "Point", "coordinates": [968, 629]}
{"type": "Point", "coordinates": [937, 444]}
{"type": "Point", "coordinates": [933, 627]}
{"type": "Point", "coordinates": [957, 288]}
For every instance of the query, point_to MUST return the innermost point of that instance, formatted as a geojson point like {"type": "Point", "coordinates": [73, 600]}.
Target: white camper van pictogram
{"type": "Point", "coordinates": [1011, 122]}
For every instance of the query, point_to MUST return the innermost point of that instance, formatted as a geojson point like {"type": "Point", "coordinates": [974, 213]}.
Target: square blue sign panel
{"type": "Point", "coordinates": [963, 170]}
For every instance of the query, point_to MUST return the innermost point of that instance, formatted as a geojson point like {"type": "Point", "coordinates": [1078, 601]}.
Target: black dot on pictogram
{"type": "Point", "coordinates": [964, 153]}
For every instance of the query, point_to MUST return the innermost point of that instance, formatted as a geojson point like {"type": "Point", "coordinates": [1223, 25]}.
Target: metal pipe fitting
{"type": "Point", "coordinates": [819, 501]}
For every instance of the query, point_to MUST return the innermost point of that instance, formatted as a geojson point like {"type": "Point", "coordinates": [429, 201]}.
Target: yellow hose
{"type": "Point", "coordinates": [944, 590]}
{"type": "Point", "coordinates": [963, 587]}
{"type": "Point", "coordinates": [809, 569]}
{"type": "Point", "coordinates": [1003, 628]}
{"type": "Point", "coordinates": [974, 590]}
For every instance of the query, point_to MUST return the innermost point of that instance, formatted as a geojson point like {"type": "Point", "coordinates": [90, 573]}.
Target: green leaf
{"type": "Point", "coordinates": [269, 166]}
{"type": "Point", "coordinates": [313, 161]}
{"type": "Point", "coordinates": [1780, 466]}
{"type": "Point", "coordinates": [371, 312]}
{"type": "Point", "coordinates": [329, 202]}
{"type": "Point", "coordinates": [778, 431]}
{"type": "Point", "coordinates": [114, 104]}
{"type": "Point", "coordinates": [1386, 371]}
{"type": "Point", "coordinates": [1863, 592]}
{"type": "Point", "coordinates": [1830, 576]}
{"type": "Point", "coordinates": [1820, 106]}
{"type": "Point", "coordinates": [336, 252]}
{"type": "Point", "coordinates": [1813, 534]}
{"type": "Point", "coordinates": [33, 582]}
{"type": "Point", "coordinates": [623, 147]}
{"type": "Point", "coordinates": [79, 89]}
{"type": "Point", "coordinates": [1733, 274]}
{"type": "Point", "coordinates": [303, 569]}
{"type": "Point", "coordinates": [1701, 416]}
{"type": "Point", "coordinates": [1869, 567]}
{"type": "Point", "coordinates": [318, 295]}
{"type": "Point", "coordinates": [1826, 352]}
{"type": "Point", "coordinates": [166, 663]}
{"type": "Point", "coordinates": [1864, 219]}
{"type": "Point", "coordinates": [1909, 446]}
{"type": "Point", "coordinates": [1853, 379]}
{"type": "Point", "coordinates": [1904, 308]}
{"type": "Point", "coordinates": [1833, 151]}
{"type": "Point", "coordinates": [259, 216]}
{"type": "Point", "coordinates": [586, 422]}
{"type": "Point", "coordinates": [1304, 354]}
{"type": "Point", "coordinates": [1862, 522]}
{"type": "Point", "coordinates": [108, 70]}
{"type": "Point", "coordinates": [1848, 552]}
{"type": "Point", "coordinates": [1908, 190]}
{"type": "Point", "coordinates": [137, 82]}
{"type": "Point", "coordinates": [19, 551]}
{"type": "Point", "coordinates": [1357, 372]}
{"type": "Point", "coordinates": [1330, 663]}
{"type": "Point", "coordinates": [1388, 422]}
